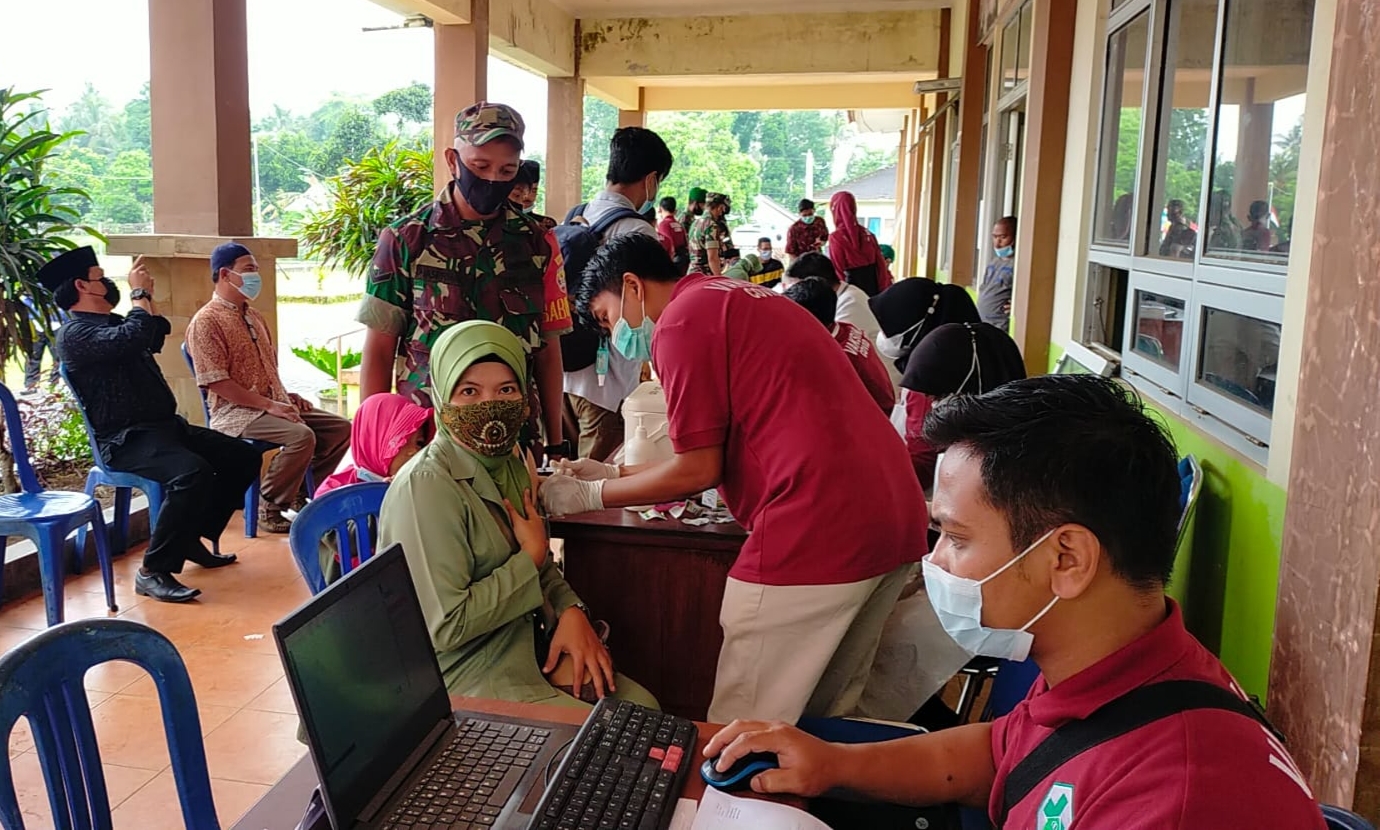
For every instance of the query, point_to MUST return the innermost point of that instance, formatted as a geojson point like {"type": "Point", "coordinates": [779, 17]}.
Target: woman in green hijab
{"type": "Point", "coordinates": [463, 509]}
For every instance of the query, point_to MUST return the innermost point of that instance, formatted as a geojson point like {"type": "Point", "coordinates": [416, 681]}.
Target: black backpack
{"type": "Point", "coordinates": [579, 240]}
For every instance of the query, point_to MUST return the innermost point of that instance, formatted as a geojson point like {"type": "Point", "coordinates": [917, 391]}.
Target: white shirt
{"type": "Point", "coordinates": [853, 308]}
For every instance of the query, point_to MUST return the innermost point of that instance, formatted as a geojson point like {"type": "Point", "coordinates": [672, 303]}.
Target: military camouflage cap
{"type": "Point", "coordinates": [719, 199]}
{"type": "Point", "coordinates": [483, 122]}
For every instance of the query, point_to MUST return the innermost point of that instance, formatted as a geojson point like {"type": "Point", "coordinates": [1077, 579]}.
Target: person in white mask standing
{"type": "Point", "coordinates": [237, 363]}
{"type": "Point", "coordinates": [1058, 501]}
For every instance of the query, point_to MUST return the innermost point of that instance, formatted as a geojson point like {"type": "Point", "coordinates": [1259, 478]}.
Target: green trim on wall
{"type": "Point", "coordinates": [1229, 592]}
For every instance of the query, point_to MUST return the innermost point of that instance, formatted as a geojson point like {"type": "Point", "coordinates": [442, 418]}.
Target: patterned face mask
{"type": "Point", "coordinates": [489, 427]}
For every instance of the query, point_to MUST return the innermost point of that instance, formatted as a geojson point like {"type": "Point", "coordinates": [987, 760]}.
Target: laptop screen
{"type": "Point", "coordinates": [365, 679]}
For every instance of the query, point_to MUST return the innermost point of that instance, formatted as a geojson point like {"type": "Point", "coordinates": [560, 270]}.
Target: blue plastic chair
{"type": "Point", "coordinates": [251, 496]}
{"type": "Point", "coordinates": [347, 511]}
{"type": "Point", "coordinates": [45, 517]}
{"type": "Point", "coordinates": [42, 679]}
{"type": "Point", "coordinates": [1339, 819]}
{"type": "Point", "coordinates": [124, 484]}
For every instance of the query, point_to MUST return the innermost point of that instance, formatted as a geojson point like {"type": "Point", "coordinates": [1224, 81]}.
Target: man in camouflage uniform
{"type": "Point", "coordinates": [711, 245]}
{"type": "Point", "coordinates": [471, 254]}
{"type": "Point", "coordinates": [694, 208]}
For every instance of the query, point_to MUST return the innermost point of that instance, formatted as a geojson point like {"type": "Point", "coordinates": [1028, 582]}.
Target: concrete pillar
{"type": "Point", "coordinates": [901, 240]}
{"type": "Point", "coordinates": [1324, 688]}
{"type": "Point", "coordinates": [937, 152]}
{"type": "Point", "coordinates": [632, 118]}
{"type": "Point", "coordinates": [916, 200]}
{"type": "Point", "coordinates": [1254, 138]}
{"type": "Point", "coordinates": [1046, 133]}
{"type": "Point", "coordinates": [967, 198]}
{"type": "Point", "coordinates": [199, 99]}
{"type": "Point", "coordinates": [203, 179]}
{"type": "Point", "coordinates": [462, 77]}
{"type": "Point", "coordinates": [565, 129]}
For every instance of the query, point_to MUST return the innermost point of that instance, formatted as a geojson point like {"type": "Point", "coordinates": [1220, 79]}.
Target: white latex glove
{"type": "Point", "coordinates": [586, 469]}
{"type": "Point", "coordinates": [565, 495]}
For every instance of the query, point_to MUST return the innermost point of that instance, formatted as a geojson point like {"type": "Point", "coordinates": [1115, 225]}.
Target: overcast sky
{"type": "Point", "coordinates": [300, 52]}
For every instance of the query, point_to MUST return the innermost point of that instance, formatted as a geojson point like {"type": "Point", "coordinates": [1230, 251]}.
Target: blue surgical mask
{"type": "Point", "coordinates": [633, 343]}
{"type": "Point", "coordinates": [809, 220]}
{"type": "Point", "coordinates": [1005, 252]}
{"type": "Point", "coordinates": [251, 284]}
{"type": "Point", "coordinates": [957, 602]}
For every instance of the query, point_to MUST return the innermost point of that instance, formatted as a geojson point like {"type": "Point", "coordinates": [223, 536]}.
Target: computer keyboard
{"type": "Point", "coordinates": [624, 771]}
{"type": "Point", "coordinates": [472, 778]}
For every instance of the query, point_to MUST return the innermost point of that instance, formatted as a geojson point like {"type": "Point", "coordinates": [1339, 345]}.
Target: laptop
{"type": "Point", "coordinates": [389, 752]}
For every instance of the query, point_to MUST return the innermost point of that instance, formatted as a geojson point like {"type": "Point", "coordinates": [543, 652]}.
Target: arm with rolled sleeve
{"type": "Point", "coordinates": [385, 308]}
{"type": "Point", "coordinates": [82, 343]}
{"type": "Point", "coordinates": [428, 514]}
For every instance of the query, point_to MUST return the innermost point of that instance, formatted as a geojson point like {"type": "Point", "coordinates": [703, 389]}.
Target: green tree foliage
{"type": "Point", "coordinates": [355, 133]}
{"type": "Point", "coordinates": [781, 145]}
{"type": "Point", "coordinates": [1284, 175]}
{"type": "Point", "coordinates": [285, 162]}
{"type": "Point", "coordinates": [136, 130]}
{"type": "Point", "coordinates": [867, 160]}
{"type": "Point", "coordinates": [601, 119]}
{"type": "Point", "coordinates": [707, 154]}
{"type": "Point", "coordinates": [410, 105]}
{"type": "Point", "coordinates": [384, 185]}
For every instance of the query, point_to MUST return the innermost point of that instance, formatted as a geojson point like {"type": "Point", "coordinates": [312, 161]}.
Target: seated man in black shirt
{"type": "Point", "coordinates": [109, 360]}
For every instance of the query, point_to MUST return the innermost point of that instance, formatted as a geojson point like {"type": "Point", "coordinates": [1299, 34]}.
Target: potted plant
{"type": "Point", "coordinates": [37, 220]}
{"type": "Point", "coordinates": [332, 363]}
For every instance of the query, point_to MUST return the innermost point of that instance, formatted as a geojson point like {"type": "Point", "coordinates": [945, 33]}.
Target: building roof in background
{"type": "Point", "coordinates": [877, 186]}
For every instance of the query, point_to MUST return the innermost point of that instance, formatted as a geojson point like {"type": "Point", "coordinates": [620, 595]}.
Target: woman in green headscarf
{"type": "Point", "coordinates": [463, 509]}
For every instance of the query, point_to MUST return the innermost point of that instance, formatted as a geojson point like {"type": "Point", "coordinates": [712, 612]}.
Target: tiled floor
{"type": "Point", "coordinates": [226, 640]}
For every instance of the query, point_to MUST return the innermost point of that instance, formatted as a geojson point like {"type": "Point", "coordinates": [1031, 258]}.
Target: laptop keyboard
{"type": "Point", "coordinates": [623, 772]}
{"type": "Point", "coordinates": [470, 781]}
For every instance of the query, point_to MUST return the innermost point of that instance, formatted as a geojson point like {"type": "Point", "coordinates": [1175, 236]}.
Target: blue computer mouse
{"type": "Point", "coordinates": [740, 775]}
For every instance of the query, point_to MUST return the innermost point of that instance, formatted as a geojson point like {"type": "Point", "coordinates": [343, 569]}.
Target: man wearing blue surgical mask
{"type": "Point", "coordinates": [999, 281]}
{"type": "Point", "coordinates": [237, 364]}
{"type": "Point", "coordinates": [1058, 503]}
{"type": "Point", "coordinates": [639, 161]}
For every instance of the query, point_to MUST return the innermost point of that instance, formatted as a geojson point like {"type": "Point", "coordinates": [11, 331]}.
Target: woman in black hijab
{"type": "Point", "coordinates": [912, 308]}
{"type": "Point", "coordinates": [953, 359]}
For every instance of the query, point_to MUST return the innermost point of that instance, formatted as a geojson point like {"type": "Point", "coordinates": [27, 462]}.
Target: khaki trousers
{"type": "Point", "coordinates": [793, 650]}
{"type": "Point", "coordinates": [600, 430]}
{"type": "Point", "coordinates": [319, 442]}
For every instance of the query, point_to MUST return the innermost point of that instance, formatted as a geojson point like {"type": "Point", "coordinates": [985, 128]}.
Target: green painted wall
{"type": "Point", "coordinates": [1229, 588]}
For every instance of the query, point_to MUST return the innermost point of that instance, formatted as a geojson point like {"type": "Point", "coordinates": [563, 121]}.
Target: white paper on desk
{"type": "Point", "coordinates": [684, 816]}
{"type": "Point", "coordinates": [720, 811]}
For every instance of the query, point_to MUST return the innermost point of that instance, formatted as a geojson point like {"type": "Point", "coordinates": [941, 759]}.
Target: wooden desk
{"type": "Point", "coordinates": [281, 807]}
{"type": "Point", "coordinates": [659, 586]}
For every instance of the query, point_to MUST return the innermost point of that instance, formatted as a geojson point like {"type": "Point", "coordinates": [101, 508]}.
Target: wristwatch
{"type": "Point", "coordinates": [565, 449]}
{"type": "Point", "coordinates": [140, 294]}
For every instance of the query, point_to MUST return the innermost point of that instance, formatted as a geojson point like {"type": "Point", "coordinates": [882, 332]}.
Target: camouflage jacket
{"type": "Point", "coordinates": [435, 269]}
{"type": "Point", "coordinates": [708, 234]}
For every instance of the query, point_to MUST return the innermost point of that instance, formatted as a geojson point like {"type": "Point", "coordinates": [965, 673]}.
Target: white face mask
{"type": "Point", "coordinates": [894, 347]}
{"type": "Point", "coordinates": [958, 603]}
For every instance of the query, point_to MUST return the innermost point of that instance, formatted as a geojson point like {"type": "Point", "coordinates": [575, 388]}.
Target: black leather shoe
{"type": "Point", "coordinates": [206, 559]}
{"type": "Point", "coordinates": [163, 587]}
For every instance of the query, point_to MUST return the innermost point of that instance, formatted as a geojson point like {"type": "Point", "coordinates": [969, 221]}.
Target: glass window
{"type": "Point", "coordinates": [1116, 4]}
{"type": "Point", "coordinates": [1259, 129]}
{"type": "Point", "coordinates": [1104, 319]}
{"type": "Point", "coordinates": [1183, 129]}
{"type": "Point", "coordinates": [1010, 53]}
{"type": "Point", "coordinates": [1023, 45]}
{"type": "Point", "coordinates": [1159, 328]}
{"type": "Point", "coordinates": [1240, 356]}
{"type": "Point", "coordinates": [1120, 133]}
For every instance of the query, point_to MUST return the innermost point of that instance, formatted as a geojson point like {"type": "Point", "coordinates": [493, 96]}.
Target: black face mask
{"type": "Point", "coordinates": [112, 291]}
{"type": "Point", "coordinates": [697, 210]}
{"type": "Point", "coordinates": [486, 197]}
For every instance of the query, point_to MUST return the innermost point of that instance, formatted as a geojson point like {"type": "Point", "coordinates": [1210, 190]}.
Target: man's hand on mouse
{"type": "Point", "coordinates": [806, 765]}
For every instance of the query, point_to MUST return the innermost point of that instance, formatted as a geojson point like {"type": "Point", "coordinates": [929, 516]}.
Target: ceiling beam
{"type": "Point", "coordinates": [624, 93]}
{"type": "Point", "coordinates": [537, 35]}
{"type": "Point", "coordinates": [809, 96]}
{"type": "Point", "coordinates": [448, 12]}
{"type": "Point", "coordinates": [890, 41]}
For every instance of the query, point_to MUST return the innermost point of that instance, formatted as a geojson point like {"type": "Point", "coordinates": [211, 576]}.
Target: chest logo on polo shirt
{"type": "Point", "coordinates": [1056, 811]}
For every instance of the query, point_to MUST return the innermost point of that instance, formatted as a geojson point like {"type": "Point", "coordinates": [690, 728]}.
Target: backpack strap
{"type": "Point", "coordinates": [1127, 713]}
{"type": "Point", "coordinates": [616, 215]}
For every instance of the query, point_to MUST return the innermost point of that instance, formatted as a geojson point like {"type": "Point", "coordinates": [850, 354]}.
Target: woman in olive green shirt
{"type": "Point", "coordinates": [463, 509]}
